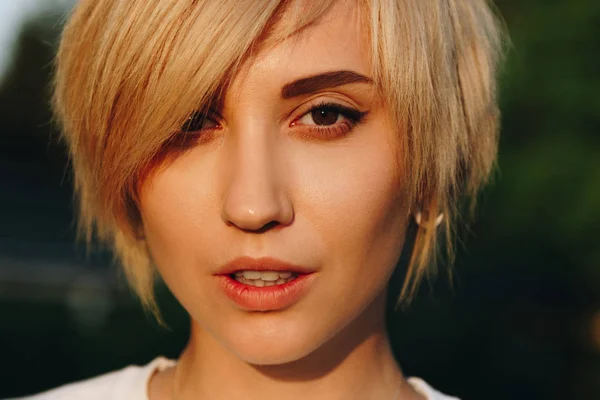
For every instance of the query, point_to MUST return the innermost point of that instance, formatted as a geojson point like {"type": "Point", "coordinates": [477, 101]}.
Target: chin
{"type": "Point", "coordinates": [273, 344]}
{"type": "Point", "coordinates": [270, 357]}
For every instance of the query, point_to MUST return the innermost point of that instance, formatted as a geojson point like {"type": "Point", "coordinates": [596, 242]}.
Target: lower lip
{"type": "Point", "coordinates": [268, 298]}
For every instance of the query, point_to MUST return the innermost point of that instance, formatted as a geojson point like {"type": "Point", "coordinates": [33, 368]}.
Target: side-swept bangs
{"type": "Point", "coordinates": [129, 73]}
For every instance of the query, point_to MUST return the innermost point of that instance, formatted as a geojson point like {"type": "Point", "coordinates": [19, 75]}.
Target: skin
{"type": "Point", "coordinates": [267, 184]}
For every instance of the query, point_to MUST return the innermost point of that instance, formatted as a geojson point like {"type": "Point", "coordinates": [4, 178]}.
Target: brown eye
{"type": "Point", "coordinates": [325, 116]}
{"type": "Point", "coordinates": [328, 120]}
{"type": "Point", "coordinates": [199, 121]}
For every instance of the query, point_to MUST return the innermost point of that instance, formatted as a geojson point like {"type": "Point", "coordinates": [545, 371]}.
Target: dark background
{"type": "Point", "coordinates": [523, 318]}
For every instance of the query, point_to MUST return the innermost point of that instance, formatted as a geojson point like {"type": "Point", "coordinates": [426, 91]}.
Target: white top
{"type": "Point", "coordinates": [131, 383]}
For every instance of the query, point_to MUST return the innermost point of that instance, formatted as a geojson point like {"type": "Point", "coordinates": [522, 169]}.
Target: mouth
{"type": "Point", "coordinates": [264, 284]}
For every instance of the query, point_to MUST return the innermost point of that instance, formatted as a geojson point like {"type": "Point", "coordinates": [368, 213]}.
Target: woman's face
{"type": "Point", "coordinates": [290, 174]}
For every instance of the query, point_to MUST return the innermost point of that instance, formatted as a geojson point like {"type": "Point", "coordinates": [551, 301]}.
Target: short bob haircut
{"type": "Point", "coordinates": [130, 72]}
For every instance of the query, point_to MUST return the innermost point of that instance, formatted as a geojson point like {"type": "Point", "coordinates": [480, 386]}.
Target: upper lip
{"type": "Point", "coordinates": [261, 264]}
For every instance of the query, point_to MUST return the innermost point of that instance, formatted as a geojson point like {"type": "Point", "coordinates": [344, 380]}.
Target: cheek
{"type": "Point", "coordinates": [177, 208]}
{"type": "Point", "coordinates": [354, 200]}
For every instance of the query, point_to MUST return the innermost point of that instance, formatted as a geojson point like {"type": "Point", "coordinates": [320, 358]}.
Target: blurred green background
{"type": "Point", "coordinates": [523, 318]}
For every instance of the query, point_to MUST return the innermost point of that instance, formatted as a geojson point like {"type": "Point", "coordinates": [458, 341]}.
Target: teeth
{"type": "Point", "coordinates": [252, 274]}
{"type": "Point", "coordinates": [264, 278]}
{"type": "Point", "coordinates": [270, 276]}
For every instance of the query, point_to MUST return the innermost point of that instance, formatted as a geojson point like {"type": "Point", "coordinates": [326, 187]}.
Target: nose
{"type": "Point", "coordinates": [255, 197]}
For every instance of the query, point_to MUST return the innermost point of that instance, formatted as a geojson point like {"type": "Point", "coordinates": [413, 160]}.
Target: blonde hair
{"type": "Point", "coordinates": [129, 73]}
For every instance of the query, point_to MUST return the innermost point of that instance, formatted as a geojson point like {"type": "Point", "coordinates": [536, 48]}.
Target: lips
{"type": "Point", "coordinates": [264, 298]}
{"type": "Point", "coordinates": [262, 264]}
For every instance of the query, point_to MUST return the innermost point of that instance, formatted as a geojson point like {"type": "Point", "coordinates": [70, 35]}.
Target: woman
{"type": "Point", "coordinates": [267, 159]}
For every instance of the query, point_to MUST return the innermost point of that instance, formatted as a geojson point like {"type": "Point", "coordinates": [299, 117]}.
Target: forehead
{"type": "Point", "coordinates": [336, 41]}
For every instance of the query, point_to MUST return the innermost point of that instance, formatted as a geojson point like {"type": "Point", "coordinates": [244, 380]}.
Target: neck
{"type": "Point", "coordinates": [357, 363]}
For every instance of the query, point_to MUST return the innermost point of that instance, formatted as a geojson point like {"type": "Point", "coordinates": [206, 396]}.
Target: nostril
{"type": "Point", "coordinates": [266, 227]}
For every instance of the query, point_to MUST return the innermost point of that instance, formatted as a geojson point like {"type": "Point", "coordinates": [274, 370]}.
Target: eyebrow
{"type": "Point", "coordinates": [318, 82]}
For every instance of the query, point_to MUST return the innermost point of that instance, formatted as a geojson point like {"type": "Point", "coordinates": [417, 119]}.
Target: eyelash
{"type": "Point", "coordinates": [191, 132]}
{"type": "Point", "coordinates": [199, 117]}
{"type": "Point", "coordinates": [352, 117]}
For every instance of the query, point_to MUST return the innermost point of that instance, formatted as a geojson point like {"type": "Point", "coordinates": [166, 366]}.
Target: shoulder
{"type": "Point", "coordinates": [430, 393]}
{"type": "Point", "coordinates": [129, 383]}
